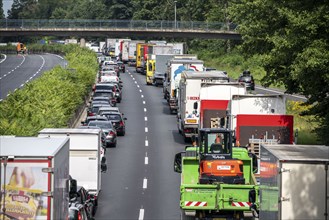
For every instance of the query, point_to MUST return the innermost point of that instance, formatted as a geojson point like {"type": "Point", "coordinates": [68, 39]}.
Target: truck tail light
{"type": "Point", "coordinates": [79, 216]}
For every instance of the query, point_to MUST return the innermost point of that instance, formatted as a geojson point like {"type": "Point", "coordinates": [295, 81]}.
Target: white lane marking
{"type": "Point", "coordinates": [141, 214]}
{"type": "Point", "coordinates": [138, 86]}
{"type": "Point", "coordinates": [144, 102]}
{"type": "Point", "coordinates": [146, 143]}
{"type": "Point", "coordinates": [146, 129]}
{"type": "Point", "coordinates": [22, 85]}
{"type": "Point", "coordinates": [1, 100]}
{"type": "Point", "coordinates": [145, 109]}
{"type": "Point", "coordinates": [146, 160]}
{"type": "Point", "coordinates": [140, 90]}
{"type": "Point", "coordinates": [142, 96]}
{"type": "Point", "coordinates": [145, 118]}
{"type": "Point", "coordinates": [15, 67]}
{"type": "Point", "coordinates": [3, 58]}
{"type": "Point", "coordinates": [135, 82]}
{"type": "Point", "coordinates": [145, 183]}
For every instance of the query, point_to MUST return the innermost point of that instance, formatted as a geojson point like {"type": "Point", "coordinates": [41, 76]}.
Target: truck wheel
{"type": "Point", "coordinates": [185, 217]}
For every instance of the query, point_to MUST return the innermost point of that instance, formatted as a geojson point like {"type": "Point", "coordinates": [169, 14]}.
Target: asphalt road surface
{"type": "Point", "coordinates": [140, 182]}
{"type": "Point", "coordinates": [17, 70]}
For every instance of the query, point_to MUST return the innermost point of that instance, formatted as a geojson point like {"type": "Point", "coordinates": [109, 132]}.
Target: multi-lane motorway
{"type": "Point", "coordinates": [17, 70]}
{"type": "Point", "coordinates": [140, 182]}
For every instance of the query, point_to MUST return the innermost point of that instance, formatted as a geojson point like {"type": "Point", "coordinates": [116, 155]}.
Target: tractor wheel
{"type": "Point", "coordinates": [186, 217]}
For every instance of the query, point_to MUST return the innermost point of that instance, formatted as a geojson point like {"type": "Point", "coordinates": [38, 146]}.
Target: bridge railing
{"type": "Point", "coordinates": [115, 24]}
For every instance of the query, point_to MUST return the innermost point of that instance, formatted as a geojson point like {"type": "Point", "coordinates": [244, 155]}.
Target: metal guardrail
{"type": "Point", "coordinates": [32, 24]}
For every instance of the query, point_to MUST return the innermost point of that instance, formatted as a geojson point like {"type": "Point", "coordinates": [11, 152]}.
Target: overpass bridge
{"type": "Point", "coordinates": [118, 28]}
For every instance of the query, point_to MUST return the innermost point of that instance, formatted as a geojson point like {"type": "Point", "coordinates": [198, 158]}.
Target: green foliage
{"type": "Point", "coordinates": [50, 100]}
{"type": "Point", "coordinates": [2, 14]}
{"type": "Point", "coordinates": [304, 123]}
{"type": "Point", "coordinates": [293, 42]}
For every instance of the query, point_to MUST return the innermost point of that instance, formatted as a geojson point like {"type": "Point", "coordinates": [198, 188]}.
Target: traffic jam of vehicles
{"type": "Point", "coordinates": [240, 159]}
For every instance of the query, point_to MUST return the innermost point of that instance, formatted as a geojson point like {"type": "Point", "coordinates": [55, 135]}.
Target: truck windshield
{"type": "Point", "coordinates": [218, 143]}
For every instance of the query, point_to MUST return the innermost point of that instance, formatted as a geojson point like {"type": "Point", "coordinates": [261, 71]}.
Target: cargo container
{"type": "Point", "coordinates": [294, 182]}
{"type": "Point", "coordinates": [34, 178]}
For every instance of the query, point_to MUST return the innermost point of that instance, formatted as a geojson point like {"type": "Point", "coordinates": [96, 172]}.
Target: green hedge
{"type": "Point", "coordinates": [50, 100]}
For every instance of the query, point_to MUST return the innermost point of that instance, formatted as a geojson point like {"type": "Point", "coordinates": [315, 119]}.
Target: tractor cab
{"type": "Point", "coordinates": [215, 158]}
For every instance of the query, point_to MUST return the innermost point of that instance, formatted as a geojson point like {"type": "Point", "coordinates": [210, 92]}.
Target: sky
{"type": "Point", "coordinates": [7, 5]}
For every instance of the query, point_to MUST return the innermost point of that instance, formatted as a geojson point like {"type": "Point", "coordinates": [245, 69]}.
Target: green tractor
{"type": "Point", "coordinates": [217, 179]}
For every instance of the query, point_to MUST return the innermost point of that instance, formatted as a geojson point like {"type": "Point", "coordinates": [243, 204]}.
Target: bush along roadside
{"type": "Point", "coordinates": [50, 100]}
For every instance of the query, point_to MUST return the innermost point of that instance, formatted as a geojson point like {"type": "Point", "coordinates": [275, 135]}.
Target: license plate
{"type": "Point", "coordinates": [191, 121]}
{"type": "Point", "coordinates": [223, 167]}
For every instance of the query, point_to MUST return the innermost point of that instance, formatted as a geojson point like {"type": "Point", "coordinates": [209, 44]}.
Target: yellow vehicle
{"type": "Point", "coordinates": [150, 69]}
{"type": "Point", "coordinates": [140, 57]}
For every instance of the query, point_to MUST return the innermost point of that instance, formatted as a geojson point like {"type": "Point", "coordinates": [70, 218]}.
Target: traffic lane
{"type": "Point", "coordinates": [122, 185]}
{"type": "Point", "coordinates": [19, 70]}
{"type": "Point", "coordinates": [10, 64]}
{"type": "Point", "coordinates": [29, 70]}
{"type": "Point", "coordinates": [162, 195]}
{"type": "Point", "coordinates": [52, 60]}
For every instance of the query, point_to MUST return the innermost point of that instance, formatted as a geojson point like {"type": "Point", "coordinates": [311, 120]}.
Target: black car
{"type": "Point", "coordinates": [110, 86]}
{"type": "Point", "coordinates": [93, 108]}
{"type": "Point", "coordinates": [109, 130]}
{"type": "Point", "coordinates": [106, 93]}
{"type": "Point", "coordinates": [82, 197]}
{"type": "Point", "coordinates": [247, 79]}
{"type": "Point", "coordinates": [117, 120]}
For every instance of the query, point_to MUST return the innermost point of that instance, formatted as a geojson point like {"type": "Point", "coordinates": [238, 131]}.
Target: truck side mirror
{"type": "Point", "coordinates": [73, 187]}
{"type": "Point", "coordinates": [103, 167]}
{"type": "Point", "coordinates": [178, 163]}
{"type": "Point", "coordinates": [254, 162]}
{"type": "Point", "coordinates": [222, 122]}
{"type": "Point", "coordinates": [195, 105]}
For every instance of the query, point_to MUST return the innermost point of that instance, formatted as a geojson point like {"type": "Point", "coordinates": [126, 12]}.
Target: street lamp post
{"type": "Point", "coordinates": [175, 15]}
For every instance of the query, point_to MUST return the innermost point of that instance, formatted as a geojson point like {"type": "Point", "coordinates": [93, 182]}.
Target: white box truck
{"type": "Point", "coordinates": [294, 182]}
{"type": "Point", "coordinates": [85, 155]}
{"type": "Point", "coordinates": [132, 50]}
{"type": "Point", "coordinates": [189, 94]}
{"type": "Point", "coordinates": [161, 67]}
{"type": "Point", "coordinates": [176, 67]}
{"type": "Point", "coordinates": [178, 48]}
{"type": "Point", "coordinates": [34, 178]}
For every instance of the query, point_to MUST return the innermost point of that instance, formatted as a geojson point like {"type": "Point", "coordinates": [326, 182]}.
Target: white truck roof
{"type": "Point", "coordinates": [31, 146]}
{"type": "Point", "coordinates": [186, 60]}
{"type": "Point", "coordinates": [68, 131]}
{"type": "Point", "coordinates": [299, 152]}
{"type": "Point", "coordinates": [203, 74]}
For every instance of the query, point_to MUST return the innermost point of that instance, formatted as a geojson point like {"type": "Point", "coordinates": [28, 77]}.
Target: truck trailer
{"type": "Point", "coordinates": [189, 93]}
{"type": "Point", "coordinates": [153, 51]}
{"type": "Point", "coordinates": [294, 182]}
{"type": "Point", "coordinates": [85, 155]}
{"type": "Point", "coordinates": [176, 67]}
{"type": "Point", "coordinates": [34, 177]}
{"type": "Point", "coordinates": [161, 68]}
